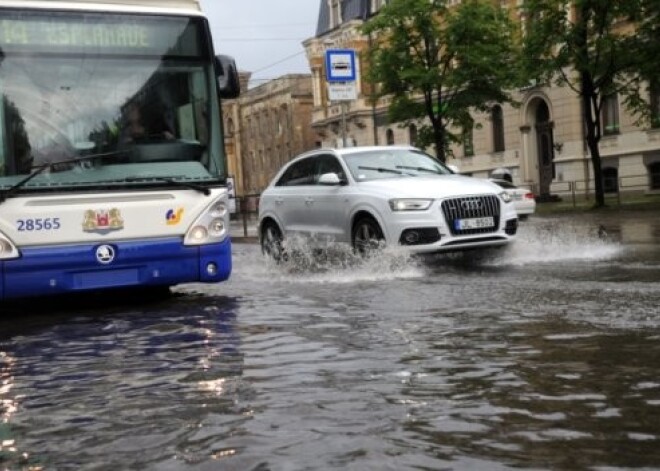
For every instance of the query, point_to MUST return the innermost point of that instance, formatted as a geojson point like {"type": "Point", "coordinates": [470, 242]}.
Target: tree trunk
{"type": "Point", "coordinates": [592, 121]}
{"type": "Point", "coordinates": [439, 139]}
{"type": "Point", "coordinates": [590, 100]}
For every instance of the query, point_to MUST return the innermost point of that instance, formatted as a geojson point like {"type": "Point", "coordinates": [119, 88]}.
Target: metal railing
{"type": "Point", "coordinates": [584, 189]}
{"type": "Point", "coordinates": [244, 217]}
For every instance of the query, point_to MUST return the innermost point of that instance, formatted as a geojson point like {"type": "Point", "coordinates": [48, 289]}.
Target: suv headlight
{"type": "Point", "coordinates": [410, 204]}
{"type": "Point", "coordinates": [505, 197]}
{"type": "Point", "coordinates": [7, 249]}
{"type": "Point", "coordinates": [211, 226]}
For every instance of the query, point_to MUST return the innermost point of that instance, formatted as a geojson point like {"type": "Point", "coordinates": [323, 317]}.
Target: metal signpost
{"type": "Point", "coordinates": [341, 76]}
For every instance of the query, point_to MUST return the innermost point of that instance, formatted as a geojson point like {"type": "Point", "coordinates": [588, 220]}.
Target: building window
{"type": "Point", "coordinates": [389, 137]}
{"type": "Point", "coordinates": [654, 174]}
{"type": "Point", "coordinates": [610, 180]}
{"type": "Point", "coordinates": [655, 103]}
{"type": "Point", "coordinates": [468, 142]}
{"type": "Point", "coordinates": [335, 13]}
{"type": "Point", "coordinates": [610, 115]}
{"type": "Point", "coordinates": [498, 129]}
{"type": "Point", "coordinates": [412, 134]}
{"type": "Point", "coordinates": [377, 5]}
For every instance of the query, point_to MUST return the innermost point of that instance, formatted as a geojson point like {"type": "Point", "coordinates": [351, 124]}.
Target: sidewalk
{"type": "Point", "coordinates": [243, 228]}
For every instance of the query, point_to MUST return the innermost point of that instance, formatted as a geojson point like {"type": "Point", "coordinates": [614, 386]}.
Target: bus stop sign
{"type": "Point", "coordinates": [340, 65]}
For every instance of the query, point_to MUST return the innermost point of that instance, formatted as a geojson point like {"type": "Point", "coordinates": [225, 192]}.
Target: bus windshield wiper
{"type": "Point", "coordinates": [47, 166]}
{"type": "Point", "coordinates": [171, 181]}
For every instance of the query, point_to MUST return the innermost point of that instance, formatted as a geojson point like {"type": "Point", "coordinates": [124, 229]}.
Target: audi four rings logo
{"type": "Point", "coordinates": [471, 204]}
{"type": "Point", "coordinates": [105, 254]}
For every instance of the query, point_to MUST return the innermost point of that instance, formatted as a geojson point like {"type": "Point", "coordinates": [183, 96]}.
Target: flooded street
{"type": "Point", "coordinates": [545, 355]}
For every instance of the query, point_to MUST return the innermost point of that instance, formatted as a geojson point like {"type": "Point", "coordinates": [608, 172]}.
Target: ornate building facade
{"type": "Point", "coordinates": [265, 127]}
{"type": "Point", "coordinates": [540, 143]}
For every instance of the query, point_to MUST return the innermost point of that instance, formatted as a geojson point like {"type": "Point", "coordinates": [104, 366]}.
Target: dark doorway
{"type": "Point", "coordinates": [610, 180]}
{"type": "Point", "coordinates": [545, 150]}
{"type": "Point", "coordinates": [654, 175]}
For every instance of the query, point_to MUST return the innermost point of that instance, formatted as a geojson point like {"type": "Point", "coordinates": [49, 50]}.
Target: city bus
{"type": "Point", "coordinates": [112, 165]}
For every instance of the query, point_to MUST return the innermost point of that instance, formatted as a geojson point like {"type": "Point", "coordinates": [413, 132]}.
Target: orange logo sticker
{"type": "Point", "coordinates": [174, 217]}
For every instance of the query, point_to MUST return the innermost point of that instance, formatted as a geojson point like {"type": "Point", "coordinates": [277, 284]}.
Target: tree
{"type": "Point", "coordinates": [600, 49]}
{"type": "Point", "coordinates": [441, 62]}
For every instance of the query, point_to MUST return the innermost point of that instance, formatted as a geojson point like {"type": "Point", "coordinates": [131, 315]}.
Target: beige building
{"type": "Point", "coordinates": [231, 111]}
{"type": "Point", "coordinates": [266, 127]}
{"type": "Point", "coordinates": [539, 143]}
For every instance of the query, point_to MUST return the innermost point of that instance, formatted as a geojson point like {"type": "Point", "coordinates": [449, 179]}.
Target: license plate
{"type": "Point", "coordinates": [474, 223]}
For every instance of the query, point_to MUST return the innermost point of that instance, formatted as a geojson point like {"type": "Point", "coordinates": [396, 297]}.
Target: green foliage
{"type": "Point", "coordinates": [440, 63]}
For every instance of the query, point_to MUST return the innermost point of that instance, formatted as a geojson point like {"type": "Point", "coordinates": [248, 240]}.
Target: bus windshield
{"type": "Point", "coordinates": [90, 100]}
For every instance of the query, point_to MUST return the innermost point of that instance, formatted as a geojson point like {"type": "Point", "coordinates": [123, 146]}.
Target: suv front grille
{"type": "Point", "coordinates": [471, 207]}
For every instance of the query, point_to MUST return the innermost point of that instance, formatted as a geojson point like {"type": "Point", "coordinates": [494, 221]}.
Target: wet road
{"type": "Point", "coordinates": [543, 356]}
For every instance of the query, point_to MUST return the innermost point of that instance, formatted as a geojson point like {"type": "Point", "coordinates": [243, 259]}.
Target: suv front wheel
{"type": "Point", "coordinates": [271, 241]}
{"type": "Point", "coordinates": [367, 236]}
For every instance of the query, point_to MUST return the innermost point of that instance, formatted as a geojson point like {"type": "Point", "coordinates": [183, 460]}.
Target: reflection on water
{"type": "Point", "coordinates": [545, 355]}
{"type": "Point", "coordinates": [123, 386]}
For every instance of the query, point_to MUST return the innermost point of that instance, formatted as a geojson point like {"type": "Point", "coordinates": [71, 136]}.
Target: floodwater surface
{"type": "Point", "coordinates": [545, 355]}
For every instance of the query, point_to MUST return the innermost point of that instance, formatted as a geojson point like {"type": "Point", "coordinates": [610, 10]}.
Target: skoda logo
{"type": "Point", "coordinates": [105, 254]}
{"type": "Point", "coordinates": [471, 204]}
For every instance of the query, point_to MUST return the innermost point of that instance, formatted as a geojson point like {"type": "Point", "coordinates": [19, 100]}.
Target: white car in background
{"type": "Point", "coordinates": [523, 200]}
{"type": "Point", "coordinates": [392, 195]}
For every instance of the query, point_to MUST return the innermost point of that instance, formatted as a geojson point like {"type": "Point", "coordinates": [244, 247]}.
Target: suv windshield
{"type": "Point", "coordinates": [392, 163]}
{"type": "Point", "coordinates": [91, 98]}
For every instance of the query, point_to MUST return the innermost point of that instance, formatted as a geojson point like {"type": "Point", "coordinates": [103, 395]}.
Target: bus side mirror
{"type": "Point", "coordinates": [227, 77]}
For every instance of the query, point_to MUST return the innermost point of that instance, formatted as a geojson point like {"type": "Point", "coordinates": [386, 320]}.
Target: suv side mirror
{"type": "Point", "coordinates": [227, 77]}
{"type": "Point", "coordinates": [330, 179]}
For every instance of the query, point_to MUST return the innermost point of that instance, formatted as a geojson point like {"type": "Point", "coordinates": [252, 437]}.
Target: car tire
{"type": "Point", "coordinates": [271, 241]}
{"type": "Point", "coordinates": [367, 236]}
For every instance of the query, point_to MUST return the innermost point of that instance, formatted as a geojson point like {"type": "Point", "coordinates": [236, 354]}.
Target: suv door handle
{"type": "Point", "coordinates": [279, 200]}
{"type": "Point", "coordinates": [309, 201]}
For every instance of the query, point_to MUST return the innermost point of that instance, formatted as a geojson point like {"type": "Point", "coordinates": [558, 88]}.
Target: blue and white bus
{"type": "Point", "coordinates": [112, 165]}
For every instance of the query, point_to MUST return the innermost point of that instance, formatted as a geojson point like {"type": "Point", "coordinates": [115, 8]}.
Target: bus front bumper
{"type": "Point", "coordinates": [53, 270]}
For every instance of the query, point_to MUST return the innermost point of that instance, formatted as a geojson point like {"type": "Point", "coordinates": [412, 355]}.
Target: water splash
{"type": "Point", "coordinates": [551, 241]}
{"type": "Point", "coordinates": [539, 241]}
{"type": "Point", "coordinates": [329, 262]}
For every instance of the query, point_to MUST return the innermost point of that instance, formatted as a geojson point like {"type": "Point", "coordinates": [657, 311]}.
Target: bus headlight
{"type": "Point", "coordinates": [211, 226]}
{"type": "Point", "coordinates": [7, 249]}
{"type": "Point", "coordinates": [198, 234]}
{"type": "Point", "coordinates": [217, 227]}
{"type": "Point", "coordinates": [219, 209]}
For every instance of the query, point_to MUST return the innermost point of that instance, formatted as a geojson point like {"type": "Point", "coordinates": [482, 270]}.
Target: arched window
{"type": "Point", "coordinates": [610, 180]}
{"type": "Point", "coordinates": [498, 129]}
{"type": "Point", "coordinates": [654, 175]}
{"type": "Point", "coordinates": [230, 127]}
{"type": "Point", "coordinates": [412, 135]}
{"type": "Point", "coordinates": [389, 137]}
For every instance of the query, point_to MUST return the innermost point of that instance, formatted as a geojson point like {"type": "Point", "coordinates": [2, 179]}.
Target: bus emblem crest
{"type": "Point", "coordinates": [102, 220]}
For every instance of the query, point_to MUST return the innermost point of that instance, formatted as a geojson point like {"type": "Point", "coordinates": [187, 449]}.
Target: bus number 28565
{"type": "Point", "coordinates": [38, 224]}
